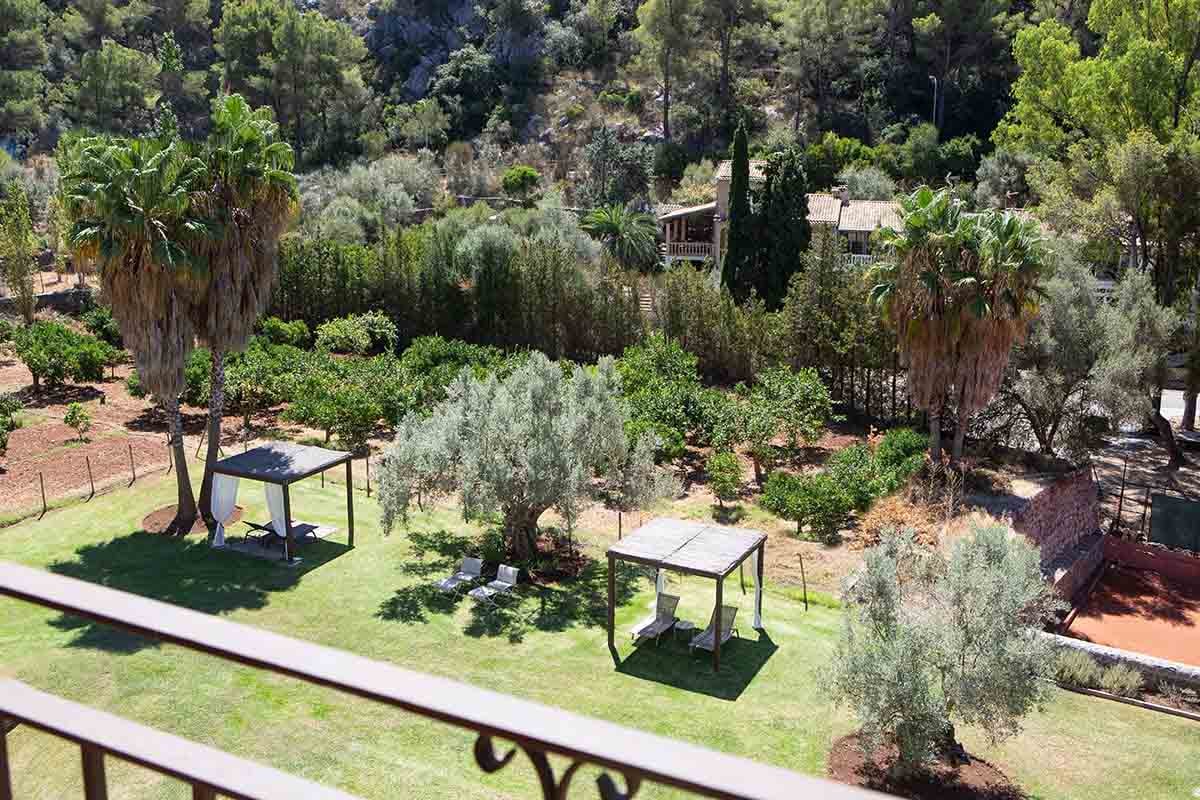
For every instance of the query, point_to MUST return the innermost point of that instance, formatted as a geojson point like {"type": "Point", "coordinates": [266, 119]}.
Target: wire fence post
{"type": "Point", "coordinates": [91, 481]}
{"type": "Point", "coordinates": [42, 482]}
{"type": "Point", "coordinates": [170, 458]}
{"type": "Point", "coordinates": [132, 467]}
{"type": "Point", "coordinates": [368, 474]}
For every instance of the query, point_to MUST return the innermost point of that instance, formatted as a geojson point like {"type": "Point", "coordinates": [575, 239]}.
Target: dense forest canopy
{"type": "Point", "coordinates": [347, 78]}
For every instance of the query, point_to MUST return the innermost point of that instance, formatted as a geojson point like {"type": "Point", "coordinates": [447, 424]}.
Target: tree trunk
{"type": "Point", "coordinates": [216, 410]}
{"type": "Point", "coordinates": [667, 99]}
{"type": "Point", "coordinates": [1189, 410]}
{"type": "Point", "coordinates": [935, 436]}
{"type": "Point", "coordinates": [520, 525]}
{"type": "Point", "coordinates": [960, 436]}
{"type": "Point", "coordinates": [185, 512]}
{"type": "Point", "coordinates": [1176, 458]}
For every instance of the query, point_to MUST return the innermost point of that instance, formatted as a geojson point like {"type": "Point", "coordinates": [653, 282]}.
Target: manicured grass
{"type": "Point", "coordinates": [767, 702]}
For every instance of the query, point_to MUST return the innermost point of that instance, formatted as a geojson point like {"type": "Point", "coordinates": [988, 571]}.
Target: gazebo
{"type": "Point", "coordinates": [693, 548]}
{"type": "Point", "coordinates": [278, 465]}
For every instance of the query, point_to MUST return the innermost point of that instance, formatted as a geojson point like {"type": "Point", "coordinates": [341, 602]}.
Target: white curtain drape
{"type": "Point", "coordinates": [275, 505]}
{"type": "Point", "coordinates": [224, 497]}
{"type": "Point", "coordinates": [758, 589]}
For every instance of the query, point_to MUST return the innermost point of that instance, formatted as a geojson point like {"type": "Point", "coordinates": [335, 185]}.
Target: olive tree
{"type": "Point", "coordinates": [515, 447]}
{"type": "Point", "coordinates": [929, 641]}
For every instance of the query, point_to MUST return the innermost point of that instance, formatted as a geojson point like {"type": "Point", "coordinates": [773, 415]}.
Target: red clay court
{"type": "Point", "coordinates": [1143, 611]}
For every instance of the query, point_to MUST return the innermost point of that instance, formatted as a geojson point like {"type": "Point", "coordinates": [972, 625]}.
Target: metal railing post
{"type": "Point", "coordinates": [5, 773]}
{"type": "Point", "coordinates": [95, 787]}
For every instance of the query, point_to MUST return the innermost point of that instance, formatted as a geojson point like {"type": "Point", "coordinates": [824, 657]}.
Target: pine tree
{"type": "Point", "coordinates": [738, 265]}
{"type": "Point", "coordinates": [22, 53]}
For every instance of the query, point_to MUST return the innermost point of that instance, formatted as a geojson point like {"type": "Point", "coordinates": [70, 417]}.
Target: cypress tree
{"type": "Point", "coordinates": [784, 228]}
{"type": "Point", "coordinates": [737, 267]}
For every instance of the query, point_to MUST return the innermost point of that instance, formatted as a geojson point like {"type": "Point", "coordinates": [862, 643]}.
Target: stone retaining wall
{"type": "Point", "coordinates": [1152, 669]}
{"type": "Point", "coordinates": [1174, 564]}
{"type": "Point", "coordinates": [1057, 518]}
{"type": "Point", "coordinates": [1074, 568]}
{"type": "Point", "coordinates": [69, 301]}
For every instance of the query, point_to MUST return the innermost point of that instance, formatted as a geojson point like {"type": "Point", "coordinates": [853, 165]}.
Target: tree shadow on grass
{"type": "Point", "coordinates": [181, 572]}
{"type": "Point", "coordinates": [670, 663]}
{"type": "Point", "coordinates": [578, 601]}
{"type": "Point", "coordinates": [411, 604]}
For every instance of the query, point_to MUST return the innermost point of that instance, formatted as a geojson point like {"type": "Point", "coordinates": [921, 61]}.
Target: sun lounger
{"type": "Point", "coordinates": [663, 619]}
{"type": "Point", "coordinates": [468, 572]}
{"type": "Point", "coordinates": [505, 583]}
{"type": "Point", "coordinates": [705, 640]}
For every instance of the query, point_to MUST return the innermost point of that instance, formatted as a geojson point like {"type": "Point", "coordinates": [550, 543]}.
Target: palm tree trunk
{"type": "Point", "coordinates": [185, 511]}
{"type": "Point", "coordinates": [216, 410]}
{"type": "Point", "coordinates": [960, 435]}
{"type": "Point", "coordinates": [935, 436]}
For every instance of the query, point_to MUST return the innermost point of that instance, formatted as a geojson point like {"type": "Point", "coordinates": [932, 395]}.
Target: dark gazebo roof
{"type": "Point", "coordinates": [696, 548]}
{"type": "Point", "coordinates": [280, 462]}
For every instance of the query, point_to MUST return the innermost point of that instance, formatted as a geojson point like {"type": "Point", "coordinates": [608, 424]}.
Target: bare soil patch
{"type": "Point", "coordinates": [974, 780]}
{"type": "Point", "coordinates": [158, 520]}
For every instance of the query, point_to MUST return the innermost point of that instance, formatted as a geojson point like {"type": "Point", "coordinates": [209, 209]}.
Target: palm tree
{"type": "Point", "coordinates": [999, 301]}
{"type": "Point", "coordinates": [917, 287]}
{"type": "Point", "coordinates": [959, 290]}
{"type": "Point", "coordinates": [132, 211]}
{"type": "Point", "coordinates": [250, 192]}
{"type": "Point", "coordinates": [629, 236]}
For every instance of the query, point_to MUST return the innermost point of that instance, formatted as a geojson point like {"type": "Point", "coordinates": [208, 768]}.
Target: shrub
{"type": "Point", "coordinates": [380, 330]}
{"type": "Point", "coordinates": [799, 399]}
{"type": "Point", "coordinates": [1121, 679]}
{"type": "Point", "coordinates": [853, 468]}
{"type": "Point", "coordinates": [635, 101]}
{"type": "Point", "coordinates": [100, 323]}
{"type": "Point", "coordinates": [717, 419]}
{"type": "Point", "coordinates": [10, 406]}
{"type": "Point", "coordinates": [520, 180]}
{"type": "Point", "coordinates": [277, 331]}
{"type": "Point", "coordinates": [724, 476]}
{"type": "Point", "coordinates": [6, 331]}
{"type": "Point", "coordinates": [659, 379]}
{"type": "Point", "coordinates": [670, 442]}
{"type": "Point", "coordinates": [79, 418]}
{"type": "Point", "coordinates": [197, 377]}
{"type": "Point", "coordinates": [54, 354]}
{"type": "Point", "coordinates": [344, 335]}
{"type": "Point", "coordinates": [813, 500]}
{"type": "Point", "coordinates": [898, 445]}
{"type": "Point", "coordinates": [133, 385]}
{"type": "Point", "coordinates": [1076, 668]}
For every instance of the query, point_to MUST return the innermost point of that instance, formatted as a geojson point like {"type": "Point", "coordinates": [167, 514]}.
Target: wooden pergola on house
{"type": "Point", "coordinates": [284, 463]}
{"type": "Point", "coordinates": [692, 548]}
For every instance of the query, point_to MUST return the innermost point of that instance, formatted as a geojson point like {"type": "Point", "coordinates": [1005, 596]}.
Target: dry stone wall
{"type": "Point", "coordinates": [1058, 518]}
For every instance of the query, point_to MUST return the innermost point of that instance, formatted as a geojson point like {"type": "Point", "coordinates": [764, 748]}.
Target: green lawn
{"type": "Point", "coordinates": [766, 703]}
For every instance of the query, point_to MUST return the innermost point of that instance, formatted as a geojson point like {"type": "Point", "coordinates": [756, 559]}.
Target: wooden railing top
{"type": "Point", "coordinates": [162, 752]}
{"type": "Point", "coordinates": [535, 727]}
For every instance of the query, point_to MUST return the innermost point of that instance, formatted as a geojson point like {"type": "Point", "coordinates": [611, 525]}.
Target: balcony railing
{"type": "Point", "coordinates": [692, 250]}
{"type": "Point", "coordinates": [860, 259]}
{"type": "Point", "coordinates": [536, 730]}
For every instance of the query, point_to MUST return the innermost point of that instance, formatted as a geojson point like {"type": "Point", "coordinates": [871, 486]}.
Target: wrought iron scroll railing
{"type": "Point", "coordinates": [539, 731]}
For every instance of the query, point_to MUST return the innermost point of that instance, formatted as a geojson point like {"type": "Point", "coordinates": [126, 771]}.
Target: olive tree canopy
{"type": "Point", "coordinates": [515, 447]}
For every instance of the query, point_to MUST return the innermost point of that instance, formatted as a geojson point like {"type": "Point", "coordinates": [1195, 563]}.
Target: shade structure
{"type": "Point", "coordinates": [693, 548]}
{"type": "Point", "coordinates": [284, 463]}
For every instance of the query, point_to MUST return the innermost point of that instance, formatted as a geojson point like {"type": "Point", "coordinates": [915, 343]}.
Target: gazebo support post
{"type": "Point", "coordinates": [288, 542]}
{"type": "Point", "coordinates": [758, 583]}
{"type": "Point", "coordinates": [350, 501]}
{"type": "Point", "coordinates": [612, 601]}
{"type": "Point", "coordinates": [717, 624]}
